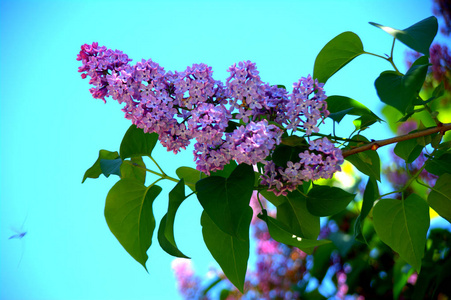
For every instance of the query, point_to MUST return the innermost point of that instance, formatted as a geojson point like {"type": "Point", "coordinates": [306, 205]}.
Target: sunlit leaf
{"type": "Point", "coordinates": [418, 37]}
{"type": "Point", "coordinates": [137, 143]}
{"type": "Point", "coordinates": [129, 215]}
{"type": "Point", "coordinates": [336, 54]}
{"type": "Point", "coordinates": [134, 168]}
{"type": "Point", "coordinates": [403, 225]}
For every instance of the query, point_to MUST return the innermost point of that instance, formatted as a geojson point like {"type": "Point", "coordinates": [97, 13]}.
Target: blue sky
{"type": "Point", "coordinates": [52, 129]}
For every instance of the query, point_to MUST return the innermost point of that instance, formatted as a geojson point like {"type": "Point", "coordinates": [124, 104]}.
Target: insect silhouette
{"type": "Point", "coordinates": [20, 235]}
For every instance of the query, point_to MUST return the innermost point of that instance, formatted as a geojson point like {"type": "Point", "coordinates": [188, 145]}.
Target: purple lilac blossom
{"type": "Point", "coordinates": [191, 105]}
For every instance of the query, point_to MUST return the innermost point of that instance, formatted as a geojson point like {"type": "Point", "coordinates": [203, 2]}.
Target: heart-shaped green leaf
{"type": "Point", "coordinates": [230, 252]}
{"type": "Point", "coordinates": [367, 162]}
{"type": "Point", "coordinates": [403, 225]}
{"type": "Point", "coordinates": [336, 54]}
{"type": "Point", "coordinates": [339, 106]}
{"type": "Point", "coordinates": [400, 91]}
{"type": "Point", "coordinates": [137, 143]}
{"type": "Point", "coordinates": [282, 234]}
{"type": "Point", "coordinates": [418, 37]}
{"type": "Point", "coordinates": [129, 215]}
{"type": "Point", "coordinates": [293, 213]}
{"type": "Point", "coordinates": [323, 201]}
{"type": "Point", "coordinates": [225, 200]}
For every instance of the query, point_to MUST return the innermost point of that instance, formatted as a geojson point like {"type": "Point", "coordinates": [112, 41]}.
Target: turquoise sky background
{"type": "Point", "coordinates": [52, 129]}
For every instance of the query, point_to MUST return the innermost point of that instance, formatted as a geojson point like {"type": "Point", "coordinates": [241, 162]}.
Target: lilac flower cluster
{"type": "Point", "coordinates": [191, 105]}
{"type": "Point", "coordinates": [322, 161]}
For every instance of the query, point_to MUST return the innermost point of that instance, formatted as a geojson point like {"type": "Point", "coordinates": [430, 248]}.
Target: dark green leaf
{"type": "Point", "coordinates": [275, 200]}
{"type": "Point", "coordinates": [418, 37]}
{"type": "Point", "coordinates": [282, 234]}
{"type": "Point", "coordinates": [323, 201]}
{"type": "Point", "coordinates": [284, 153]}
{"type": "Point", "coordinates": [230, 252]}
{"type": "Point", "coordinates": [293, 141]}
{"type": "Point", "coordinates": [440, 164]}
{"type": "Point", "coordinates": [129, 215]}
{"type": "Point", "coordinates": [367, 162]}
{"type": "Point", "coordinates": [111, 166]}
{"type": "Point", "coordinates": [137, 143]}
{"type": "Point", "coordinates": [294, 214]}
{"type": "Point", "coordinates": [403, 225]}
{"type": "Point", "coordinates": [226, 171]}
{"type": "Point", "coordinates": [166, 229]}
{"type": "Point", "coordinates": [134, 168]}
{"type": "Point", "coordinates": [336, 54]}
{"type": "Point", "coordinates": [225, 200]}
{"type": "Point", "coordinates": [408, 150]}
{"type": "Point", "coordinates": [94, 171]}
{"type": "Point", "coordinates": [440, 196]}
{"type": "Point", "coordinates": [400, 91]}
{"type": "Point", "coordinates": [369, 196]}
{"type": "Point", "coordinates": [321, 261]}
{"type": "Point", "coordinates": [190, 175]}
{"type": "Point", "coordinates": [339, 106]}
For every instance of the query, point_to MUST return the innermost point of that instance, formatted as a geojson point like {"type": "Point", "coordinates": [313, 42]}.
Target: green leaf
{"type": "Point", "coordinates": [295, 215]}
{"type": "Point", "coordinates": [134, 168]}
{"type": "Point", "coordinates": [166, 229]}
{"type": "Point", "coordinates": [226, 171]}
{"type": "Point", "coordinates": [271, 197]}
{"type": "Point", "coordinates": [230, 252]}
{"type": "Point", "coordinates": [440, 164]}
{"type": "Point", "coordinates": [129, 215]}
{"type": "Point", "coordinates": [293, 141]}
{"type": "Point", "coordinates": [440, 196]}
{"type": "Point", "coordinates": [111, 166]}
{"type": "Point", "coordinates": [408, 150]}
{"type": "Point", "coordinates": [282, 234]}
{"type": "Point", "coordinates": [339, 106]}
{"type": "Point", "coordinates": [323, 201]}
{"type": "Point", "coordinates": [137, 143]}
{"type": "Point", "coordinates": [190, 176]}
{"type": "Point", "coordinates": [370, 194]}
{"type": "Point", "coordinates": [95, 170]}
{"type": "Point", "coordinates": [225, 200]}
{"type": "Point", "coordinates": [400, 91]}
{"type": "Point", "coordinates": [403, 225]}
{"type": "Point", "coordinates": [284, 153]}
{"type": "Point", "coordinates": [367, 162]}
{"type": "Point", "coordinates": [336, 54]}
{"type": "Point", "coordinates": [418, 37]}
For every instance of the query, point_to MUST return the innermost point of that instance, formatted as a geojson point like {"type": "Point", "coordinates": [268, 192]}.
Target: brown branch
{"type": "Point", "coordinates": [376, 144]}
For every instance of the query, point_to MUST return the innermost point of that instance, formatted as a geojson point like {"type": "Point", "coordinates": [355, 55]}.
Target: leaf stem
{"type": "Point", "coordinates": [390, 59]}
{"type": "Point", "coordinates": [442, 128]}
{"type": "Point", "coordinates": [158, 166]}
{"type": "Point", "coordinates": [163, 176]}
